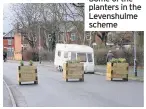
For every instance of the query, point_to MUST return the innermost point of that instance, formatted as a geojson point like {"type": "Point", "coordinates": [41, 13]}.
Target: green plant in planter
{"type": "Point", "coordinates": [21, 63]}
{"type": "Point", "coordinates": [30, 63]}
{"type": "Point", "coordinates": [122, 60]}
{"type": "Point", "coordinates": [73, 61]}
{"type": "Point", "coordinates": [119, 60]}
{"type": "Point", "coordinates": [114, 60]}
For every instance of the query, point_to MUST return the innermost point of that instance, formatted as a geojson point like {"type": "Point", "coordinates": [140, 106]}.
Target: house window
{"type": "Point", "coordinates": [9, 42]}
{"type": "Point", "coordinates": [90, 58]}
{"type": "Point", "coordinates": [73, 36]}
{"type": "Point", "coordinates": [59, 53]}
{"type": "Point", "coordinates": [10, 52]}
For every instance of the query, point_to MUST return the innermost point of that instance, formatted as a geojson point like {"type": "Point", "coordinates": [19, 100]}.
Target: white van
{"type": "Point", "coordinates": [66, 52]}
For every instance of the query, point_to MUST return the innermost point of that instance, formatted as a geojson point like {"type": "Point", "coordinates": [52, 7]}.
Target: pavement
{"type": "Point", "coordinates": [6, 97]}
{"type": "Point", "coordinates": [53, 91]}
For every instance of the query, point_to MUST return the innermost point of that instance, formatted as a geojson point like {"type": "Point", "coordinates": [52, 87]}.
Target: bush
{"type": "Point", "coordinates": [118, 53]}
{"type": "Point", "coordinates": [128, 54]}
{"type": "Point", "coordinates": [140, 56]}
{"type": "Point", "coordinates": [47, 56]}
{"type": "Point", "coordinates": [30, 63]}
{"type": "Point", "coordinates": [35, 56]}
{"type": "Point", "coordinates": [100, 56]}
{"type": "Point", "coordinates": [21, 63]}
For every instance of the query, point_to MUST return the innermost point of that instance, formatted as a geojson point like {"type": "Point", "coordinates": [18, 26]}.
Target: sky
{"type": "Point", "coordinates": [7, 16]}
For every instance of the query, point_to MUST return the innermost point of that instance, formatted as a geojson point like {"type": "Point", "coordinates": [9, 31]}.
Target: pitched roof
{"type": "Point", "coordinates": [9, 34]}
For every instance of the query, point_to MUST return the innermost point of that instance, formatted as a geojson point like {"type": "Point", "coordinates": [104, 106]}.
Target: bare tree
{"type": "Point", "coordinates": [48, 17]}
{"type": "Point", "coordinates": [120, 38]}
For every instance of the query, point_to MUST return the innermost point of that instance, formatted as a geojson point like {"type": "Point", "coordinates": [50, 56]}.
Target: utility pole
{"type": "Point", "coordinates": [135, 63]}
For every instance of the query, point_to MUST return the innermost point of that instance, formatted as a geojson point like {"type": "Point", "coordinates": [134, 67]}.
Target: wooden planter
{"type": "Point", "coordinates": [27, 74]}
{"type": "Point", "coordinates": [73, 71]}
{"type": "Point", "coordinates": [117, 70]}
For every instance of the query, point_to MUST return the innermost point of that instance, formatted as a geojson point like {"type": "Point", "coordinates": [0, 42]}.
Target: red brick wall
{"type": "Point", "coordinates": [5, 43]}
{"type": "Point", "coordinates": [17, 47]}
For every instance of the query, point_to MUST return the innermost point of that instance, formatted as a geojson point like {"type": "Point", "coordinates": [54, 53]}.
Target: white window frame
{"type": "Point", "coordinates": [9, 41]}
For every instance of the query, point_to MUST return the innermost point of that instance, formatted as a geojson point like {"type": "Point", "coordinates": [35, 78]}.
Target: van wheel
{"type": "Point", "coordinates": [60, 69]}
{"type": "Point", "coordinates": [92, 72]}
{"type": "Point", "coordinates": [66, 80]}
{"type": "Point", "coordinates": [35, 82]}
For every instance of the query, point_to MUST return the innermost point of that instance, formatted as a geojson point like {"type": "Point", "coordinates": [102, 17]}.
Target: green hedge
{"type": "Point", "coordinates": [100, 56]}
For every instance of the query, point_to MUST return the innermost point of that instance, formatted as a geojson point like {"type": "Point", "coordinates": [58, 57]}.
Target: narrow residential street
{"type": "Point", "coordinates": [53, 91]}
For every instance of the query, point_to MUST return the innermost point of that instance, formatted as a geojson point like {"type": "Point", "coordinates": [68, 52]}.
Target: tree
{"type": "Point", "coordinates": [31, 17]}
{"type": "Point", "coordinates": [140, 39]}
{"type": "Point", "coordinates": [120, 38]}
{"type": "Point", "coordinates": [27, 18]}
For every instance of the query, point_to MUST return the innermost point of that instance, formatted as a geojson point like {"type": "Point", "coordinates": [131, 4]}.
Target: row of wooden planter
{"type": "Point", "coordinates": [71, 71]}
{"type": "Point", "coordinates": [74, 71]}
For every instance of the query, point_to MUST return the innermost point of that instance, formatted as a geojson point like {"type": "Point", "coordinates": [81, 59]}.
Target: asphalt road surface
{"type": "Point", "coordinates": [53, 91]}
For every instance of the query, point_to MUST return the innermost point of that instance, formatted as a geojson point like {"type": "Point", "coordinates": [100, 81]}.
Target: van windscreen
{"type": "Point", "coordinates": [81, 57]}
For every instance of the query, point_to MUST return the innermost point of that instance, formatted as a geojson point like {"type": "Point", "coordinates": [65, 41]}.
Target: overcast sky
{"type": "Point", "coordinates": [7, 16]}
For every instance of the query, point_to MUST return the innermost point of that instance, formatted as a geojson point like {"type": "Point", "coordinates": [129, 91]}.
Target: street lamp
{"type": "Point", "coordinates": [135, 63]}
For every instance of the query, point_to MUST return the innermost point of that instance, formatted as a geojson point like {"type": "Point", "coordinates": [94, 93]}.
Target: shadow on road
{"type": "Point", "coordinates": [28, 84]}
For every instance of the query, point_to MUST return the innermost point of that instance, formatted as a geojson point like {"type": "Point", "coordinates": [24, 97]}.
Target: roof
{"type": "Point", "coordinates": [9, 34]}
{"type": "Point", "coordinates": [74, 47]}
